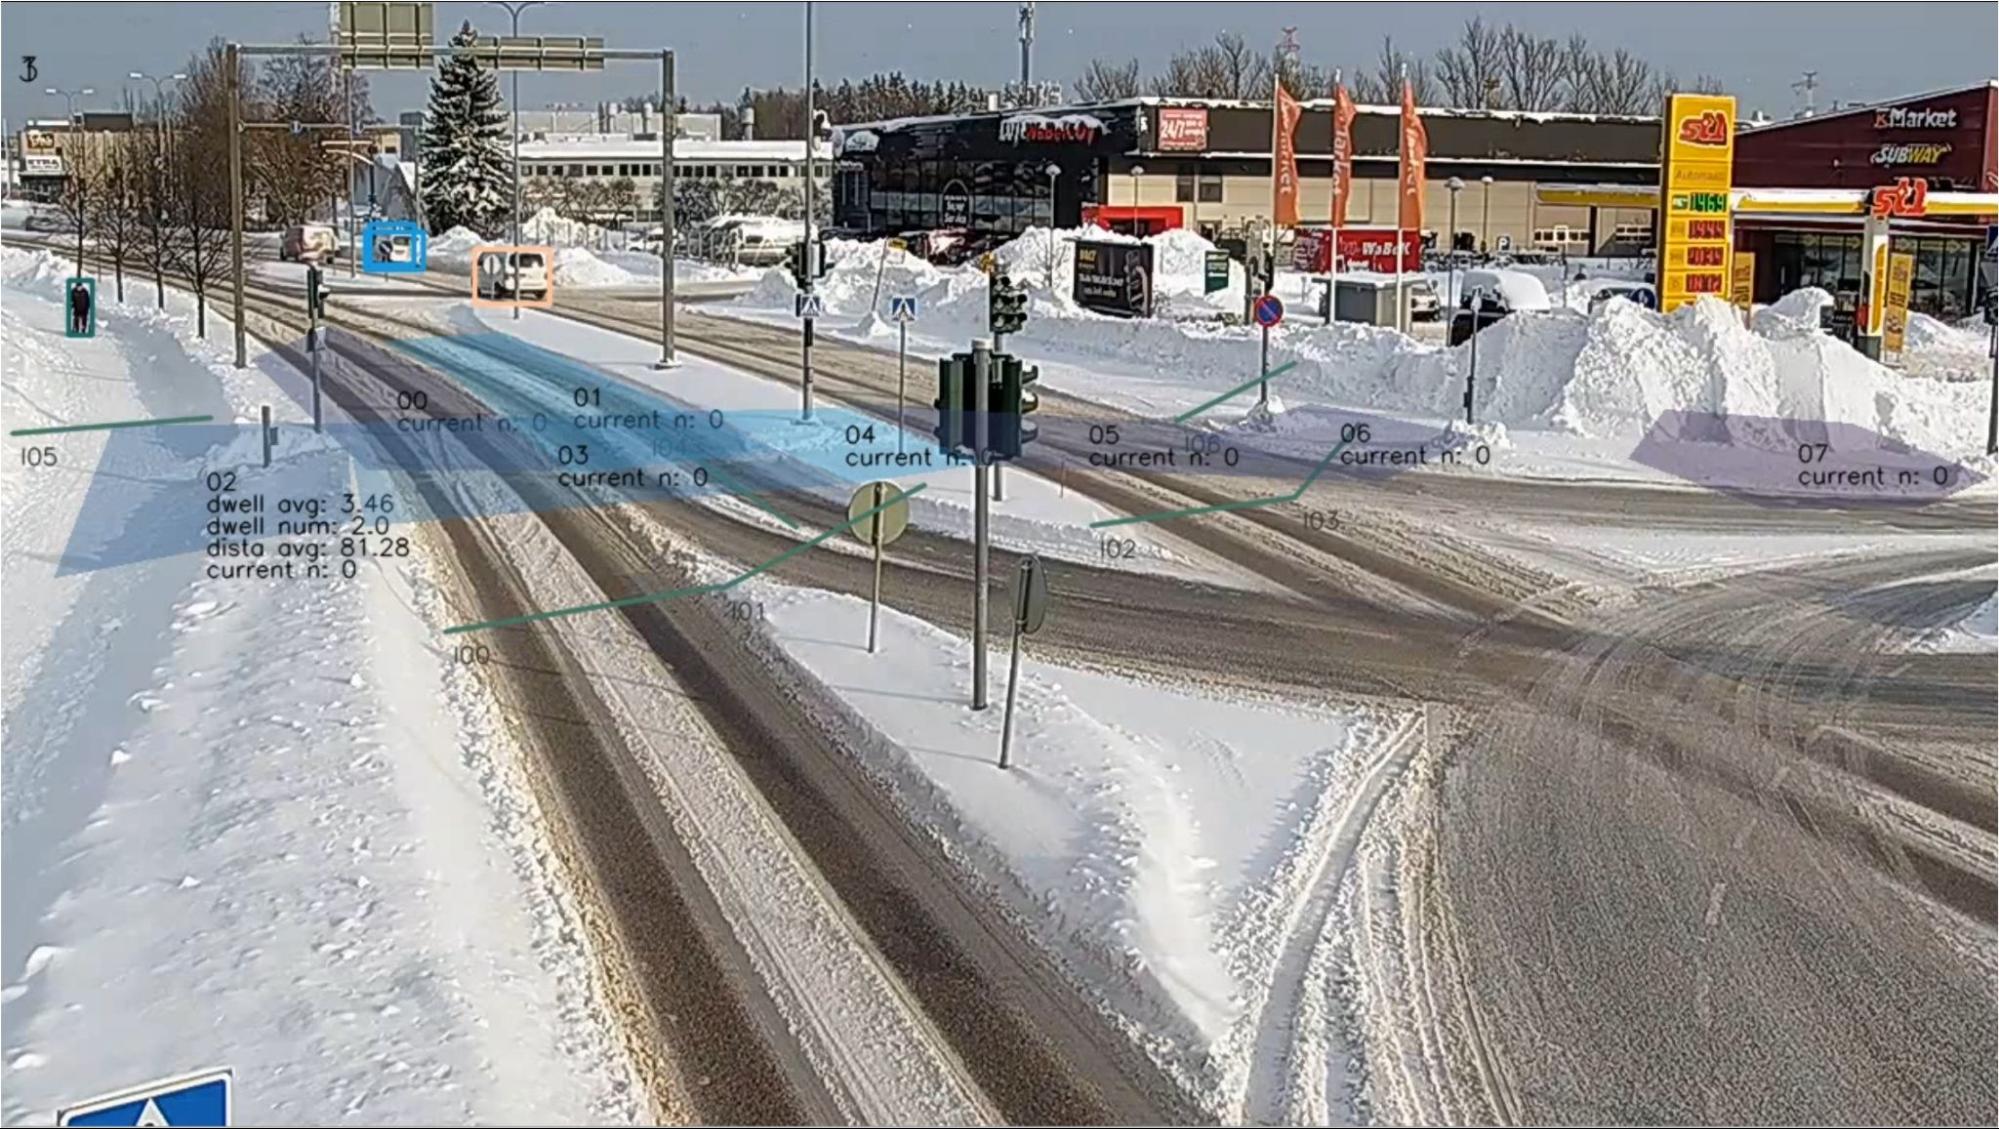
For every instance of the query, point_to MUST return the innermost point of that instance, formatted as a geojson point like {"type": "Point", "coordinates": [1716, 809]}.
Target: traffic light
{"type": "Point", "coordinates": [1013, 399]}
{"type": "Point", "coordinates": [954, 403]}
{"type": "Point", "coordinates": [1006, 305]}
{"type": "Point", "coordinates": [315, 293]}
{"type": "Point", "coordinates": [795, 261]}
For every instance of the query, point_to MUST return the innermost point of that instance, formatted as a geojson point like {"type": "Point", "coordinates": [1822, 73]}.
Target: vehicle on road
{"type": "Point", "coordinates": [309, 243]}
{"type": "Point", "coordinates": [1486, 296]}
{"type": "Point", "coordinates": [513, 275]}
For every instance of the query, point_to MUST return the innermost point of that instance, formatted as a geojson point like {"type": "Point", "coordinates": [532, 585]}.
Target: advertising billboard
{"type": "Point", "coordinates": [1114, 278]}
{"type": "Point", "coordinates": [1361, 248]}
{"type": "Point", "coordinates": [1694, 207]}
{"type": "Point", "coordinates": [1183, 128]}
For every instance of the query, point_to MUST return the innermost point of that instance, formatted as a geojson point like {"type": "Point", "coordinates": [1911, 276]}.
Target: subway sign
{"type": "Point", "coordinates": [1696, 237]}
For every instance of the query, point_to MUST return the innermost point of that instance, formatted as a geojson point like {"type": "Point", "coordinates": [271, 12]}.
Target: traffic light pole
{"type": "Point", "coordinates": [999, 486]}
{"type": "Point", "coordinates": [314, 341]}
{"type": "Point", "coordinates": [807, 255]}
{"type": "Point", "coordinates": [982, 365]}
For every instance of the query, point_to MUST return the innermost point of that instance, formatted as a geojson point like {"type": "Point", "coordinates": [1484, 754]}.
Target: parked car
{"type": "Point", "coordinates": [1489, 295]}
{"type": "Point", "coordinates": [1607, 288]}
{"type": "Point", "coordinates": [309, 243]}
{"type": "Point", "coordinates": [513, 276]}
{"type": "Point", "coordinates": [1424, 304]}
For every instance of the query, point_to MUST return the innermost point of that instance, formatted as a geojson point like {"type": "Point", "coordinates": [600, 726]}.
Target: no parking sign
{"type": "Point", "coordinates": [1268, 311]}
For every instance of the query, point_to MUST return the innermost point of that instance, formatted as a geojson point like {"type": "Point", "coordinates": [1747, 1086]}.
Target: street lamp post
{"type": "Point", "coordinates": [514, 8]}
{"type": "Point", "coordinates": [69, 98]}
{"type": "Point", "coordinates": [1485, 216]}
{"type": "Point", "coordinates": [1136, 172]}
{"type": "Point", "coordinates": [1053, 171]}
{"type": "Point", "coordinates": [1451, 246]}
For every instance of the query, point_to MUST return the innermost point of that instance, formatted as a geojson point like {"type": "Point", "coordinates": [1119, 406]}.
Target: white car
{"type": "Point", "coordinates": [522, 276]}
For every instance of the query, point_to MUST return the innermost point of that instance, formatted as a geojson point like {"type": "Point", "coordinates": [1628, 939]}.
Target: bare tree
{"type": "Point", "coordinates": [1226, 68]}
{"type": "Point", "coordinates": [296, 172]}
{"type": "Point", "coordinates": [115, 207]}
{"type": "Point", "coordinates": [156, 207]}
{"type": "Point", "coordinates": [77, 203]}
{"type": "Point", "coordinates": [621, 201]}
{"type": "Point", "coordinates": [1384, 86]}
{"type": "Point", "coordinates": [200, 189]}
{"type": "Point", "coordinates": [1532, 70]}
{"type": "Point", "coordinates": [1470, 71]}
{"type": "Point", "coordinates": [1108, 82]}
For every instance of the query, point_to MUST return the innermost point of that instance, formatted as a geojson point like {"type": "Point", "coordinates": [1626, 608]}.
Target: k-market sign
{"type": "Point", "coordinates": [1038, 129]}
{"type": "Point", "coordinates": [1917, 117]}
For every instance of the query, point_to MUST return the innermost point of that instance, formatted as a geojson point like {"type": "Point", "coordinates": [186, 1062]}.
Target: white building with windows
{"type": "Point", "coordinates": [609, 157]}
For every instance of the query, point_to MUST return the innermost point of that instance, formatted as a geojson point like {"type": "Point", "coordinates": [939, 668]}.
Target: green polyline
{"type": "Point", "coordinates": [674, 594]}
{"type": "Point", "coordinates": [1223, 507]}
{"type": "Point", "coordinates": [1273, 374]}
{"type": "Point", "coordinates": [161, 422]}
{"type": "Point", "coordinates": [743, 493]}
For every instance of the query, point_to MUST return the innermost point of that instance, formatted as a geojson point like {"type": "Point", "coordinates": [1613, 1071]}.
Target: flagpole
{"type": "Point", "coordinates": [1401, 195]}
{"type": "Point", "coordinates": [1276, 126]}
{"type": "Point", "coordinates": [1333, 256]}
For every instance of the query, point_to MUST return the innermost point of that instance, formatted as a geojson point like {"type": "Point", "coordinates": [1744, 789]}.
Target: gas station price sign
{"type": "Point", "coordinates": [1695, 233]}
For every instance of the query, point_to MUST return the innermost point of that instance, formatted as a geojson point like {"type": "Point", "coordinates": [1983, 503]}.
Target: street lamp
{"type": "Point", "coordinates": [1136, 172]}
{"type": "Point", "coordinates": [514, 8]}
{"type": "Point", "coordinates": [1451, 244]}
{"type": "Point", "coordinates": [69, 98]}
{"type": "Point", "coordinates": [1052, 172]}
{"type": "Point", "coordinates": [1485, 217]}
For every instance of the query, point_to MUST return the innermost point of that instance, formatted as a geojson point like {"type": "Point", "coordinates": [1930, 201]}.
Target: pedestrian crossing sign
{"type": "Point", "coordinates": [902, 307]}
{"type": "Point", "coordinates": [190, 1099]}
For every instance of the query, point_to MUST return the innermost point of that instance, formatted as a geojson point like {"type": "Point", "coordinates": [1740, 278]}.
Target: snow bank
{"type": "Point", "coordinates": [1942, 351]}
{"type": "Point", "coordinates": [1610, 373]}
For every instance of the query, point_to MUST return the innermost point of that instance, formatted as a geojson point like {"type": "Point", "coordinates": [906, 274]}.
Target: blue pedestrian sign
{"type": "Point", "coordinates": [902, 307]}
{"type": "Point", "coordinates": [1269, 310]}
{"type": "Point", "coordinates": [394, 247]}
{"type": "Point", "coordinates": [806, 305]}
{"type": "Point", "coordinates": [190, 1099]}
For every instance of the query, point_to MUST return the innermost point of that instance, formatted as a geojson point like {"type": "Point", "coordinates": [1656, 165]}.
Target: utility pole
{"type": "Point", "coordinates": [669, 124]}
{"type": "Point", "coordinates": [514, 8]}
{"type": "Point", "coordinates": [1026, 47]}
{"type": "Point", "coordinates": [809, 255]}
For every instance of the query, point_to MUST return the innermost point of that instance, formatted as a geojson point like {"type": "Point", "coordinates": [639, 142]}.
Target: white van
{"type": "Point", "coordinates": [513, 276]}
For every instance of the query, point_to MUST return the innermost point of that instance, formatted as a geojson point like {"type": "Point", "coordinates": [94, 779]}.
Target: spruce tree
{"type": "Point", "coordinates": [466, 171]}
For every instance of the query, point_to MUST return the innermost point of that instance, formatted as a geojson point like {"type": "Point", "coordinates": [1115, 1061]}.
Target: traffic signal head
{"type": "Point", "coordinates": [1006, 305]}
{"type": "Point", "coordinates": [798, 262]}
{"type": "Point", "coordinates": [954, 403]}
{"type": "Point", "coordinates": [1013, 399]}
{"type": "Point", "coordinates": [315, 292]}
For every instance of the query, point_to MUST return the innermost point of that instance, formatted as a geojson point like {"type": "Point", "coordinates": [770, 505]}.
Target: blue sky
{"type": "Point", "coordinates": [1862, 51]}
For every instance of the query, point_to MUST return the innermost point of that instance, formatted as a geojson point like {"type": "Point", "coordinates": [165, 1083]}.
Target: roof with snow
{"type": "Point", "coordinates": [1848, 111]}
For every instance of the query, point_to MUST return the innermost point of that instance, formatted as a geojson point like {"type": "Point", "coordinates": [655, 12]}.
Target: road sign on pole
{"type": "Point", "coordinates": [887, 513]}
{"type": "Point", "coordinates": [1030, 610]}
{"type": "Point", "coordinates": [902, 307]}
{"type": "Point", "coordinates": [1269, 313]}
{"type": "Point", "coordinates": [806, 304]}
{"type": "Point", "coordinates": [190, 1099]}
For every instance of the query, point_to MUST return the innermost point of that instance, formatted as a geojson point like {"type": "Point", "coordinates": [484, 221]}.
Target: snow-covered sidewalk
{"type": "Point", "coordinates": [259, 824]}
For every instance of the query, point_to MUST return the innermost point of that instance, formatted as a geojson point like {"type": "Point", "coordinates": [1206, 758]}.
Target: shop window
{"type": "Point", "coordinates": [1183, 186]}
{"type": "Point", "coordinates": [1211, 188]}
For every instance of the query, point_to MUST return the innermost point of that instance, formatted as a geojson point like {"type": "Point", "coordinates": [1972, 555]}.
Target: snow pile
{"type": "Point", "coordinates": [1942, 351]}
{"type": "Point", "coordinates": [1796, 312]}
{"type": "Point", "coordinates": [575, 266]}
{"type": "Point", "coordinates": [548, 227]}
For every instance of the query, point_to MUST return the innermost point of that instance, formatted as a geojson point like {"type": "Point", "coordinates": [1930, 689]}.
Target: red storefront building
{"type": "Point", "coordinates": [1944, 138]}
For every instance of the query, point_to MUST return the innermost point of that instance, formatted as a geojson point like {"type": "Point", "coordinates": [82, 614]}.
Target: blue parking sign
{"type": "Point", "coordinates": [190, 1099]}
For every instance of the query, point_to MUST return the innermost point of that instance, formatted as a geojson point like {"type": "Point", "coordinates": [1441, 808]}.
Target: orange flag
{"type": "Point", "coordinates": [1415, 148]}
{"type": "Point", "coordinates": [1343, 116]}
{"type": "Point", "coordinates": [1284, 166]}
